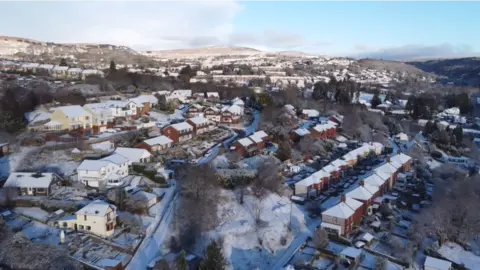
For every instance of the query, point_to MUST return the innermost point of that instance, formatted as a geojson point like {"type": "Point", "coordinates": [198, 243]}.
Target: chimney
{"type": "Point", "coordinates": [342, 198]}
{"type": "Point", "coordinates": [362, 183]}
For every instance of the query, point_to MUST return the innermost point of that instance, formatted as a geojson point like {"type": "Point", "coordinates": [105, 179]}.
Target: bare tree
{"type": "Point", "coordinates": [267, 176]}
{"type": "Point", "coordinates": [320, 238]}
{"type": "Point", "coordinates": [199, 188]}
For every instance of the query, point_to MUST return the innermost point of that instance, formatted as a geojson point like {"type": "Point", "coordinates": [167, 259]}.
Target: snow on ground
{"type": "Point", "coordinates": [11, 162]}
{"type": "Point", "coordinates": [39, 232]}
{"type": "Point", "coordinates": [457, 254]}
{"type": "Point", "coordinates": [33, 212]}
{"type": "Point", "coordinates": [241, 235]}
{"type": "Point", "coordinates": [220, 162]}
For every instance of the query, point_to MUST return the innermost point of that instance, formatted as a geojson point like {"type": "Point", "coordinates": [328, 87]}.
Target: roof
{"type": "Point", "coordinates": [437, 263]}
{"type": "Point", "coordinates": [182, 126]}
{"type": "Point", "coordinates": [46, 66]}
{"type": "Point", "coordinates": [371, 188]}
{"type": "Point", "coordinates": [360, 193]}
{"type": "Point", "coordinates": [29, 179]}
{"type": "Point", "coordinates": [261, 134]}
{"type": "Point", "coordinates": [132, 154]}
{"type": "Point", "coordinates": [311, 113]}
{"type": "Point", "coordinates": [160, 140]}
{"type": "Point", "coordinates": [351, 252]}
{"type": "Point", "coordinates": [60, 68]}
{"type": "Point", "coordinates": [256, 139]}
{"type": "Point", "coordinates": [310, 180]}
{"type": "Point", "coordinates": [374, 180]}
{"type": "Point", "coordinates": [96, 208]}
{"type": "Point", "coordinates": [302, 131]}
{"type": "Point", "coordinates": [367, 237]}
{"type": "Point", "coordinates": [72, 111]}
{"type": "Point", "coordinates": [402, 136]}
{"type": "Point", "coordinates": [214, 94]}
{"type": "Point", "coordinates": [323, 127]}
{"type": "Point", "coordinates": [144, 99]}
{"type": "Point", "coordinates": [37, 116]}
{"type": "Point", "coordinates": [116, 158]}
{"type": "Point", "coordinates": [238, 101]}
{"type": "Point", "coordinates": [352, 203]}
{"type": "Point", "coordinates": [92, 165]}
{"type": "Point", "coordinates": [235, 109]}
{"type": "Point", "coordinates": [245, 142]}
{"type": "Point", "coordinates": [339, 162]}
{"type": "Point", "coordinates": [340, 210]}
{"type": "Point", "coordinates": [400, 158]}
{"type": "Point", "coordinates": [75, 70]}
{"type": "Point", "coordinates": [199, 120]}
{"type": "Point", "coordinates": [386, 168]}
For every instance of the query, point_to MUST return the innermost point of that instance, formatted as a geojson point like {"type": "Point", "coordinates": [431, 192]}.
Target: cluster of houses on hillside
{"type": "Point", "coordinates": [223, 114]}
{"type": "Point", "coordinates": [343, 217]}
{"type": "Point", "coordinates": [56, 71]}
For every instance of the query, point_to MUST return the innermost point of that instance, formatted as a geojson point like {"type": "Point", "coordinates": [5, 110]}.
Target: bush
{"type": "Point", "coordinates": [159, 179]}
{"type": "Point", "coordinates": [138, 167]}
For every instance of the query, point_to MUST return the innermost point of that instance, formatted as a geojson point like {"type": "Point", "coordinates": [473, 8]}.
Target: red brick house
{"type": "Point", "coordinates": [246, 147]}
{"type": "Point", "coordinates": [324, 131]}
{"type": "Point", "coordinates": [200, 125]}
{"type": "Point", "coordinates": [156, 144]}
{"type": "Point", "coordinates": [144, 103]}
{"type": "Point", "coordinates": [179, 132]}
{"type": "Point", "coordinates": [340, 218]}
{"type": "Point", "coordinates": [356, 206]}
{"type": "Point", "coordinates": [297, 134]}
{"type": "Point", "coordinates": [403, 160]}
{"type": "Point", "coordinates": [213, 114]}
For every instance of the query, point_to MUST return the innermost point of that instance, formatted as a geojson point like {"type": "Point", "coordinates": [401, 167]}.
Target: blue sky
{"type": "Point", "coordinates": [390, 30]}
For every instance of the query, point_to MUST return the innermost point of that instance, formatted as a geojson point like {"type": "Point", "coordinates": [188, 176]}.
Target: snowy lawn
{"type": "Point", "coordinates": [33, 212]}
{"type": "Point", "coordinates": [242, 235]}
{"type": "Point", "coordinates": [39, 232]}
{"type": "Point", "coordinates": [457, 254]}
{"type": "Point", "coordinates": [127, 240]}
{"type": "Point", "coordinates": [11, 162]}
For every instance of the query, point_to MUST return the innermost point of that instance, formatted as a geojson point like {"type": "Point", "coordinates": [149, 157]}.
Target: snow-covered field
{"type": "Point", "coordinates": [242, 235]}
{"type": "Point", "coordinates": [456, 253]}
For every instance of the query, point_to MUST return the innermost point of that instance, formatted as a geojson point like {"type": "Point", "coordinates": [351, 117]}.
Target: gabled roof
{"type": "Point", "coordinates": [437, 263]}
{"type": "Point", "coordinates": [315, 178]}
{"type": "Point", "coordinates": [245, 142]}
{"type": "Point", "coordinates": [182, 126]}
{"type": "Point", "coordinates": [132, 153]}
{"type": "Point", "coordinates": [96, 208]}
{"type": "Point", "coordinates": [116, 158]}
{"type": "Point", "coordinates": [374, 180]}
{"type": "Point", "coordinates": [144, 99]}
{"type": "Point", "coordinates": [238, 101]}
{"type": "Point", "coordinates": [60, 68]}
{"type": "Point", "coordinates": [386, 168]}
{"type": "Point", "coordinates": [72, 111]}
{"type": "Point", "coordinates": [29, 179]}
{"type": "Point", "coordinates": [338, 163]}
{"type": "Point", "coordinates": [92, 165]}
{"type": "Point", "coordinates": [360, 193]}
{"type": "Point", "coordinates": [160, 140]}
{"type": "Point", "coordinates": [400, 159]}
{"type": "Point", "coordinates": [371, 188]}
{"type": "Point", "coordinates": [352, 203]}
{"type": "Point", "coordinates": [262, 134]}
{"type": "Point", "coordinates": [311, 113]}
{"type": "Point", "coordinates": [340, 210]}
{"type": "Point", "coordinates": [199, 120]}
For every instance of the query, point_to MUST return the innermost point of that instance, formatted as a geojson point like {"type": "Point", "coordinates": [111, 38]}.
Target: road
{"type": "Point", "coordinates": [150, 246]}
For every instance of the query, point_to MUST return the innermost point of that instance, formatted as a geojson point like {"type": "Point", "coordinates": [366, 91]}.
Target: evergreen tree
{"type": "Point", "coordinates": [214, 259]}
{"type": "Point", "coordinates": [182, 262]}
{"type": "Point", "coordinates": [113, 66]}
{"type": "Point", "coordinates": [63, 62]}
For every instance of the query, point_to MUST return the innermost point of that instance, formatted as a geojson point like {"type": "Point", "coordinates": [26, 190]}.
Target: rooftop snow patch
{"type": "Point", "coordinates": [160, 140]}
{"type": "Point", "coordinates": [340, 210]}
{"type": "Point", "coordinates": [96, 208]}
{"type": "Point", "coordinates": [29, 180]}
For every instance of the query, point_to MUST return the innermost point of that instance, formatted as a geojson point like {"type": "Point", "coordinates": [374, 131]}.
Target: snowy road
{"type": "Point", "coordinates": [149, 249]}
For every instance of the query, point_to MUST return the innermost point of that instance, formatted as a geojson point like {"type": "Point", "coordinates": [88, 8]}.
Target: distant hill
{"type": "Point", "coordinates": [388, 65]}
{"type": "Point", "coordinates": [214, 51]}
{"type": "Point", "coordinates": [461, 71]}
{"type": "Point", "coordinates": [75, 53]}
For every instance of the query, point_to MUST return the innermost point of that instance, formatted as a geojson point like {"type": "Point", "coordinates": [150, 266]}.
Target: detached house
{"type": "Point", "coordinates": [182, 95]}
{"type": "Point", "coordinates": [179, 132]}
{"type": "Point", "coordinates": [200, 125]}
{"type": "Point", "coordinates": [98, 217]}
{"type": "Point", "coordinates": [122, 108]}
{"type": "Point", "coordinates": [98, 173]}
{"type": "Point", "coordinates": [194, 110]}
{"type": "Point", "coordinates": [232, 114]}
{"type": "Point", "coordinates": [156, 144]}
{"type": "Point", "coordinates": [252, 144]}
{"type": "Point", "coordinates": [212, 114]}
{"type": "Point", "coordinates": [134, 155]}
{"type": "Point", "coordinates": [102, 116]}
{"type": "Point", "coordinates": [70, 118]}
{"type": "Point", "coordinates": [30, 184]}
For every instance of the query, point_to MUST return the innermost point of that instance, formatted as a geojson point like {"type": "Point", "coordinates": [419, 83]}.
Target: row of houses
{"type": "Point", "coordinates": [57, 71]}
{"type": "Point", "coordinates": [251, 145]}
{"type": "Point", "coordinates": [332, 172]}
{"type": "Point", "coordinates": [343, 217]}
{"type": "Point", "coordinates": [92, 118]}
{"type": "Point", "coordinates": [231, 114]}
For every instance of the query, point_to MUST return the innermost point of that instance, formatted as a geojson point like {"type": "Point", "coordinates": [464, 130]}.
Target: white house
{"type": "Point", "coordinates": [30, 184]}
{"type": "Point", "coordinates": [136, 155]}
{"type": "Point", "coordinates": [98, 217]}
{"type": "Point", "coordinates": [107, 171]}
{"type": "Point", "coordinates": [181, 95]}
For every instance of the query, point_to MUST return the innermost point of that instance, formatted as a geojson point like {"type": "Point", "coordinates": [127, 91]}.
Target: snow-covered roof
{"type": "Point", "coordinates": [30, 65]}
{"type": "Point", "coordinates": [323, 127]}
{"type": "Point", "coordinates": [256, 139]}
{"type": "Point", "coordinates": [105, 146]}
{"type": "Point", "coordinates": [330, 168]}
{"type": "Point", "coordinates": [116, 158]}
{"type": "Point", "coordinates": [213, 94]}
{"type": "Point", "coordinates": [144, 196]}
{"type": "Point", "coordinates": [60, 68]}
{"type": "Point", "coordinates": [199, 120]}
{"type": "Point", "coordinates": [367, 237]}
{"type": "Point", "coordinates": [37, 116]}
{"type": "Point", "coordinates": [215, 109]}
{"type": "Point", "coordinates": [52, 123]}
{"type": "Point", "coordinates": [245, 142]}
{"type": "Point", "coordinates": [262, 134]}
{"type": "Point", "coordinates": [374, 180]}
{"type": "Point", "coordinates": [402, 136]}
{"type": "Point", "coordinates": [132, 154]}
{"type": "Point", "coordinates": [351, 252]}
{"type": "Point", "coordinates": [386, 168]}
{"type": "Point", "coordinates": [235, 109]}
{"type": "Point", "coordinates": [311, 113]}
{"type": "Point", "coordinates": [144, 99]}
{"type": "Point", "coordinates": [92, 165]}
{"type": "Point", "coordinates": [360, 193]}
{"type": "Point", "coordinates": [96, 208]}
{"type": "Point", "coordinates": [75, 70]}
{"type": "Point", "coordinates": [339, 162]}
{"type": "Point", "coordinates": [371, 188]}
{"type": "Point", "coordinates": [160, 140]}
{"type": "Point", "coordinates": [46, 66]}
{"type": "Point", "coordinates": [310, 180]}
{"type": "Point", "coordinates": [72, 111]}
{"type": "Point", "coordinates": [352, 203]}
{"type": "Point", "coordinates": [29, 180]}
{"type": "Point", "coordinates": [400, 158]}
{"type": "Point", "coordinates": [437, 263]}
{"type": "Point", "coordinates": [302, 131]}
{"type": "Point", "coordinates": [340, 210]}
{"type": "Point", "coordinates": [182, 126]}
{"type": "Point", "coordinates": [238, 101]}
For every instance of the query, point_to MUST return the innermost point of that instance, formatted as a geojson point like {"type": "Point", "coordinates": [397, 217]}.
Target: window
{"type": "Point", "coordinates": [81, 227]}
{"type": "Point", "coordinates": [84, 217]}
{"type": "Point", "coordinates": [89, 228]}
{"type": "Point", "coordinates": [65, 224]}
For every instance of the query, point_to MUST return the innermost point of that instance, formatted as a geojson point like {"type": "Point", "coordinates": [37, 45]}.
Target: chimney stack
{"type": "Point", "coordinates": [342, 198]}
{"type": "Point", "coordinates": [362, 183]}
